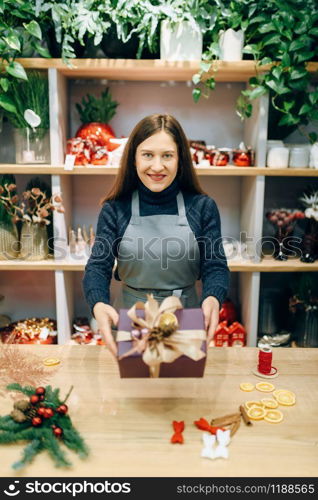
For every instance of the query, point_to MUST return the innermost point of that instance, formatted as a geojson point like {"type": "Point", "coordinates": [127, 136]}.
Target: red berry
{"type": "Point", "coordinates": [41, 411]}
{"type": "Point", "coordinates": [62, 409]}
{"type": "Point", "coordinates": [48, 413]}
{"type": "Point", "coordinates": [34, 399]}
{"type": "Point", "coordinates": [36, 421]}
{"type": "Point", "coordinates": [42, 397]}
{"type": "Point", "coordinates": [57, 432]}
{"type": "Point", "coordinates": [40, 391]}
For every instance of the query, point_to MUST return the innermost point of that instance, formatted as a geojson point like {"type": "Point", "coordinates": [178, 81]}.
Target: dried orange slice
{"type": "Point", "coordinates": [256, 413]}
{"type": "Point", "coordinates": [274, 416]}
{"type": "Point", "coordinates": [51, 361]}
{"type": "Point", "coordinates": [283, 391]}
{"type": "Point", "coordinates": [250, 404]}
{"type": "Point", "coordinates": [285, 399]}
{"type": "Point", "coordinates": [265, 387]}
{"type": "Point", "coordinates": [269, 403]}
{"type": "Point", "coordinates": [247, 386]}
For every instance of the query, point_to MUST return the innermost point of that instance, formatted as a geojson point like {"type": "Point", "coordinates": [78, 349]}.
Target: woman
{"type": "Point", "coordinates": [162, 228]}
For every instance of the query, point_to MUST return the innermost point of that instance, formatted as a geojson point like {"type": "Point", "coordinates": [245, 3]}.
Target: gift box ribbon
{"type": "Point", "coordinates": [166, 349]}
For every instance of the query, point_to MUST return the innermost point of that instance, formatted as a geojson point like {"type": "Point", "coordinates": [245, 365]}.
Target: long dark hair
{"type": "Point", "coordinates": [127, 177]}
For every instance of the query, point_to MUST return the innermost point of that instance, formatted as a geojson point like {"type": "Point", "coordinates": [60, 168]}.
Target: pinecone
{"type": "Point", "coordinates": [22, 405]}
{"type": "Point", "coordinates": [18, 416]}
{"type": "Point", "coordinates": [32, 412]}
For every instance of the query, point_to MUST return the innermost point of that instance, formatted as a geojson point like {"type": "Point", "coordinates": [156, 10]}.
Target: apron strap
{"type": "Point", "coordinates": [182, 219]}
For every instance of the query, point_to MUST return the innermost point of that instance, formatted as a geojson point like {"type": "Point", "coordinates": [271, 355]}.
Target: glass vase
{"type": "Point", "coordinates": [34, 242]}
{"type": "Point", "coordinates": [9, 242]}
{"type": "Point", "coordinates": [310, 243]}
{"type": "Point", "coordinates": [305, 326]}
{"type": "Point", "coordinates": [32, 145]}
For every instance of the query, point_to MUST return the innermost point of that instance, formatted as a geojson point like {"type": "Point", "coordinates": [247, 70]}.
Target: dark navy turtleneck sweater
{"type": "Point", "coordinates": [203, 218]}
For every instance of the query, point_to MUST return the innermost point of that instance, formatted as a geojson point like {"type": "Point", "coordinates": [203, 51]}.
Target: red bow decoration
{"type": "Point", "coordinates": [204, 425]}
{"type": "Point", "coordinates": [178, 428]}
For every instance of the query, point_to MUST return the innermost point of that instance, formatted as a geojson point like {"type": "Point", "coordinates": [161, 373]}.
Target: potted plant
{"type": "Point", "coordinates": [29, 115]}
{"type": "Point", "coordinates": [36, 215]}
{"type": "Point", "coordinates": [282, 39]}
{"type": "Point", "coordinates": [9, 211]}
{"type": "Point", "coordinates": [182, 28]}
{"type": "Point", "coordinates": [95, 114]}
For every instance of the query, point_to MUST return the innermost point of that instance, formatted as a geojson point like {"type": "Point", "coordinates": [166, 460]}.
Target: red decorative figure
{"type": "Point", "coordinates": [178, 428]}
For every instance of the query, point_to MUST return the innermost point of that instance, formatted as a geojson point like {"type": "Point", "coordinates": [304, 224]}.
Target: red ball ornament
{"type": "Point", "coordinates": [40, 391]}
{"type": "Point", "coordinates": [41, 411]}
{"type": "Point", "coordinates": [48, 413]}
{"type": "Point", "coordinates": [57, 432]}
{"type": "Point", "coordinates": [34, 399]}
{"type": "Point", "coordinates": [36, 421]}
{"type": "Point", "coordinates": [62, 409]}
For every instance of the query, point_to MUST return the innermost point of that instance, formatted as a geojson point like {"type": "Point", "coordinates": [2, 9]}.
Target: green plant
{"type": "Point", "coordinates": [8, 200]}
{"type": "Point", "coordinates": [94, 109]}
{"type": "Point", "coordinates": [28, 94]}
{"type": "Point", "coordinates": [282, 35]}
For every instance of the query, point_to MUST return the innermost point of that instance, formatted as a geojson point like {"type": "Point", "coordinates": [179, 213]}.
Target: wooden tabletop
{"type": "Point", "coordinates": [128, 423]}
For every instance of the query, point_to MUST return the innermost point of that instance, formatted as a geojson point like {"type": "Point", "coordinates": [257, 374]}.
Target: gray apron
{"type": "Point", "coordinates": [158, 254]}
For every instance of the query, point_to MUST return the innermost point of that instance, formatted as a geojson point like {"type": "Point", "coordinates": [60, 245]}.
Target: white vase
{"type": "Point", "coordinates": [180, 43]}
{"type": "Point", "coordinates": [313, 162]}
{"type": "Point", "coordinates": [231, 45]}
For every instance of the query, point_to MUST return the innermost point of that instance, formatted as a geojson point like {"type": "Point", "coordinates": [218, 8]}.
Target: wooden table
{"type": "Point", "coordinates": [128, 423]}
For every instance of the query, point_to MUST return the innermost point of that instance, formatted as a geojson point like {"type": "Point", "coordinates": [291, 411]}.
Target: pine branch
{"type": "Point", "coordinates": [74, 441]}
{"type": "Point", "coordinates": [29, 453]}
{"type": "Point", "coordinates": [27, 390]}
{"type": "Point", "coordinates": [51, 444]}
{"type": "Point", "coordinates": [8, 424]}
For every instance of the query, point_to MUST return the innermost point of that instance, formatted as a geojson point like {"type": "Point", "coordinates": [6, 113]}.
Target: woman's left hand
{"type": "Point", "coordinates": [211, 309]}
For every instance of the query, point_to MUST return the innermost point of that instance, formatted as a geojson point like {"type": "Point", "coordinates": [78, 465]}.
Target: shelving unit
{"type": "Point", "coordinates": [240, 199]}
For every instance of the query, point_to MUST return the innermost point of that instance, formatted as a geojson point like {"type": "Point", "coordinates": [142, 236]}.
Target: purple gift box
{"type": "Point", "coordinates": [134, 367]}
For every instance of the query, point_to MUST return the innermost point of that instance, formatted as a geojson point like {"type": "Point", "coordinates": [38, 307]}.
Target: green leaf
{"type": "Point", "coordinates": [205, 66]}
{"type": "Point", "coordinates": [271, 39]}
{"type": "Point", "coordinates": [43, 51]}
{"type": "Point", "coordinates": [301, 27]}
{"type": "Point", "coordinates": [300, 43]}
{"type": "Point", "coordinates": [313, 97]}
{"type": "Point", "coordinates": [289, 119]}
{"type": "Point", "coordinates": [7, 103]}
{"type": "Point", "coordinates": [34, 29]}
{"type": "Point", "coordinates": [17, 70]}
{"type": "Point", "coordinates": [12, 41]}
{"type": "Point", "coordinates": [305, 56]}
{"type": "Point", "coordinates": [278, 87]}
{"type": "Point", "coordinates": [288, 105]}
{"type": "Point", "coordinates": [314, 114]}
{"type": "Point", "coordinates": [313, 137]}
{"type": "Point", "coordinates": [298, 73]}
{"type": "Point", "coordinates": [196, 78]}
{"type": "Point", "coordinates": [257, 92]}
{"type": "Point", "coordinates": [196, 94]}
{"type": "Point", "coordinates": [4, 82]}
{"type": "Point", "coordinates": [305, 108]}
{"type": "Point", "coordinates": [210, 83]}
{"type": "Point", "coordinates": [313, 31]}
{"type": "Point", "coordinates": [265, 60]}
{"type": "Point", "coordinates": [277, 71]}
{"type": "Point", "coordinates": [266, 28]}
{"type": "Point", "coordinates": [286, 60]}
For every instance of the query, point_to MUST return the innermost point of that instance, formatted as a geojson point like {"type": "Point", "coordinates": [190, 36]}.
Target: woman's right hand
{"type": "Point", "coordinates": [105, 315]}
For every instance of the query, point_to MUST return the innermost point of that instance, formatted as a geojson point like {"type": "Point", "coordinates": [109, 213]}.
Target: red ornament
{"type": "Point", "coordinates": [178, 428]}
{"type": "Point", "coordinates": [98, 133]}
{"type": "Point", "coordinates": [57, 431]}
{"type": "Point", "coordinates": [40, 391]}
{"type": "Point", "coordinates": [41, 411]}
{"type": "Point", "coordinates": [62, 409]}
{"type": "Point", "coordinates": [36, 421]}
{"type": "Point", "coordinates": [34, 399]}
{"type": "Point", "coordinates": [48, 413]}
{"type": "Point", "coordinates": [42, 397]}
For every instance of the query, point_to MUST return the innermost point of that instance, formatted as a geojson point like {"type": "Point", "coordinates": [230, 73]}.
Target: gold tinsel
{"type": "Point", "coordinates": [21, 367]}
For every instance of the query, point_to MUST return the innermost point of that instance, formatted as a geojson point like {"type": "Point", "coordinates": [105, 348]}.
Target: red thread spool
{"type": "Point", "coordinates": [265, 357]}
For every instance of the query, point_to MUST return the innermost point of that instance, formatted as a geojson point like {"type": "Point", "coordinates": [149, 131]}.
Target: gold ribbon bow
{"type": "Point", "coordinates": [161, 349]}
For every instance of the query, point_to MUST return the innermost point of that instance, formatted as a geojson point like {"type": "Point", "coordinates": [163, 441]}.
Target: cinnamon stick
{"type": "Point", "coordinates": [245, 416]}
{"type": "Point", "coordinates": [225, 420]}
{"type": "Point", "coordinates": [235, 426]}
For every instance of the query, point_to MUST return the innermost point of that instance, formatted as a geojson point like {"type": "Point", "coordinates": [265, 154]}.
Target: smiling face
{"type": "Point", "coordinates": [157, 161]}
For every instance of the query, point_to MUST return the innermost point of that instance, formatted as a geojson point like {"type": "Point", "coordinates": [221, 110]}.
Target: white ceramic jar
{"type": "Point", "coordinates": [180, 42]}
{"type": "Point", "coordinates": [277, 157]}
{"type": "Point", "coordinates": [299, 157]}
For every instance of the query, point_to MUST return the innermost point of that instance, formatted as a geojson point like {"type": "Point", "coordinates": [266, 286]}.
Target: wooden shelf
{"type": "Point", "coordinates": [93, 170]}
{"type": "Point", "coordinates": [265, 266]}
{"type": "Point", "coordinates": [148, 69]}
